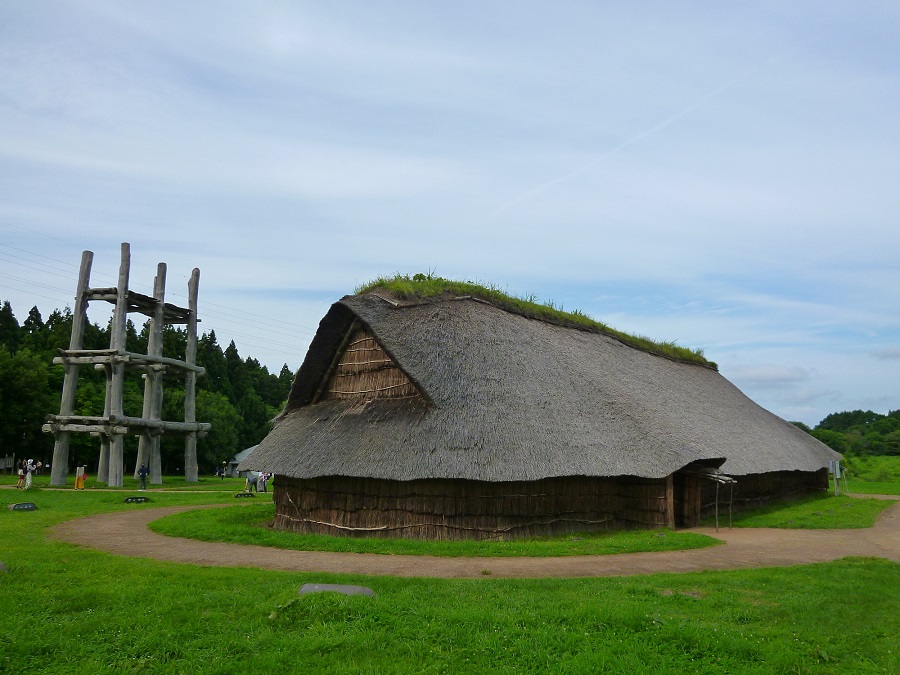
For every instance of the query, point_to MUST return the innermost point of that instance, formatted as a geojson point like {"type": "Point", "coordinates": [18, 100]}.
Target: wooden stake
{"type": "Point", "coordinates": [190, 381]}
{"type": "Point", "coordinates": [153, 379]}
{"type": "Point", "coordinates": [60, 467]}
{"type": "Point", "coordinates": [670, 500]}
{"type": "Point", "coordinates": [117, 386]}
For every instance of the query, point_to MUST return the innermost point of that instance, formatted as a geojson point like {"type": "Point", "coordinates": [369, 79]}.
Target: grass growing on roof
{"type": "Point", "coordinates": [425, 286]}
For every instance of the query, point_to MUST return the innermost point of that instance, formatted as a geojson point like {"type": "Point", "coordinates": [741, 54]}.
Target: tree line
{"type": "Point", "coordinates": [238, 396]}
{"type": "Point", "coordinates": [859, 432]}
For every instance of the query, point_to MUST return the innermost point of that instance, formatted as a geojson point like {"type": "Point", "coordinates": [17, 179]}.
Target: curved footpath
{"type": "Point", "coordinates": [126, 533]}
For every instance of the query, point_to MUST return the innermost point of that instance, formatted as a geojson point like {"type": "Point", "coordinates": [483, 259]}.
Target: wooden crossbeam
{"type": "Point", "coordinates": [88, 356]}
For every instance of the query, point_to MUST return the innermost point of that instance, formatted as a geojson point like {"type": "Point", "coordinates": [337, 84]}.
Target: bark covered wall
{"type": "Point", "coordinates": [459, 509]}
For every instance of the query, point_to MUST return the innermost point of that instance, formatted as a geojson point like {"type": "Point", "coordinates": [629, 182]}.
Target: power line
{"type": "Point", "coordinates": [292, 327]}
{"type": "Point", "coordinates": [22, 250]}
{"type": "Point", "coordinates": [36, 295]}
{"type": "Point", "coordinates": [58, 273]}
{"type": "Point", "coordinates": [32, 283]}
{"type": "Point", "coordinates": [225, 319]}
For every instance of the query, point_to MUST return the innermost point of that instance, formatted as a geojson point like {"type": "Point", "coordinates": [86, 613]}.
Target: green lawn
{"type": "Point", "coordinates": [873, 474]}
{"type": "Point", "coordinates": [824, 511]}
{"type": "Point", "coordinates": [872, 488]}
{"type": "Point", "coordinates": [68, 609]}
{"type": "Point", "coordinates": [248, 525]}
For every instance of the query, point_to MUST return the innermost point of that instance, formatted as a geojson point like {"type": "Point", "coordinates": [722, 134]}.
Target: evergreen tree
{"type": "Point", "coordinates": [236, 372]}
{"type": "Point", "coordinates": [24, 401]}
{"type": "Point", "coordinates": [58, 329]}
{"type": "Point", "coordinates": [9, 328]}
{"type": "Point", "coordinates": [211, 357]}
{"type": "Point", "coordinates": [255, 418]}
{"type": "Point", "coordinates": [33, 336]}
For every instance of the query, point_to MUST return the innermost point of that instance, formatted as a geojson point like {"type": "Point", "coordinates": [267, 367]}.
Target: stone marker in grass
{"type": "Point", "coordinates": [23, 506]}
{"type": "Point", "coordinates": [136, 500]}
{"type": "Point", "coordinates": [335, 588]}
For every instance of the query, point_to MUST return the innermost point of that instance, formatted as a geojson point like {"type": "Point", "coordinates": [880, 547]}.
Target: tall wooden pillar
{"type": "Point", "coordinates": [156, 413]}
{"type": "Point", "coordinates": [670, 500]}
{"type": "Point", "coordinates": [103, 461]}
{"type": "Point", "coordinates": [60, 466]}
{"type": "Point", "coordinates": [117, 380]}
{"type": "Point", "coordinates": [148, 444]}
{"type": "Point", "coordinates": [190, 381]}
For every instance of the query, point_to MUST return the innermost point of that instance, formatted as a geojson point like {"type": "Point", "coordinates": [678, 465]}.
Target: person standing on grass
{"type": "Point", "coordinates": [21, 469]}
{"type": "Point", "coordinates": [224, 467]}
{"type": "Point", "coordinates": [142, 474]}
{"type": "Point", "coordinates": [29, 468]}
{"type": "Point", "coordinates": [263, 479]}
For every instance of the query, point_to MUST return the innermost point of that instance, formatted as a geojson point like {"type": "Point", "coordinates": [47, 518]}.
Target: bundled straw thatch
{"type": "Point", "coordinates": [431, 402]}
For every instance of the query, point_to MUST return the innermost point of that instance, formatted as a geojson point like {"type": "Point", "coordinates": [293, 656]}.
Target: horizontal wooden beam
{"type": "Point", "coordinates": [120, 425]}
{"type": "Point", "coordinates": [142, 304]}
{"type": "Point", "coordinates": [101, 356]}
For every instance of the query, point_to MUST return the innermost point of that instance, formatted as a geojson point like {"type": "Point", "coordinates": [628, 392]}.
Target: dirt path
{"type": "Point", "coordinates": [126, 533]}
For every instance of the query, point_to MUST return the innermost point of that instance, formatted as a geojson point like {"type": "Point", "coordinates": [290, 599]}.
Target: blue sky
{"type": "Point", "coordinates": [724, 175]}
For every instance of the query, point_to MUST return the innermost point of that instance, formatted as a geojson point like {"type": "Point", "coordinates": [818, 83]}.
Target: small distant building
{"type": "Point", "coordinates": [244, 454]}
{"type": "Point", "coordinates": [454, 418]}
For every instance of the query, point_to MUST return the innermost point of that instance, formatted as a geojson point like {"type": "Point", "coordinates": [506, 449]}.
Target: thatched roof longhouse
{"type": "Point", "coordinates": [489, 395]}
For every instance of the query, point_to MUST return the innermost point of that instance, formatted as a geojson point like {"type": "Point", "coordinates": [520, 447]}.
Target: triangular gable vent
{"type": "Point", "coordinates": [365, 371]}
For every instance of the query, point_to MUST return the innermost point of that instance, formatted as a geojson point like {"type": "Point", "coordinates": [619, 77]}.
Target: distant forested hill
{"type": "Point", "coordinates": [859, 432]}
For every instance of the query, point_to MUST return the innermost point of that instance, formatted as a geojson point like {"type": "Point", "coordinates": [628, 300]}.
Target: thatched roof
{"type": "Point", "coordinates": [507, 398]}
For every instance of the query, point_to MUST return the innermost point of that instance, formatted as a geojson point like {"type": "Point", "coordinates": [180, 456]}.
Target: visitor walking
{"type": "Point", "coordinates": [80, 476]}
{"type": "Point", "coordinates": [21, 470]}
{"type": "Point", "coordinates": [263, 479]}
{"type": "Point", "coordinates": [143, 472]}
{"type": "Point", "coordinates": [29, 469]}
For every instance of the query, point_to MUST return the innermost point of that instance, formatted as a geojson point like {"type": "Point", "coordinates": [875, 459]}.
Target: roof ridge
{"type": "Point", "coordinates": [593, 327]}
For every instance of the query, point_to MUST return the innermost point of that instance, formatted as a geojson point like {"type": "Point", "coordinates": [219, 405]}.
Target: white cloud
{"type": "Point", "coordinates": [723, 177]}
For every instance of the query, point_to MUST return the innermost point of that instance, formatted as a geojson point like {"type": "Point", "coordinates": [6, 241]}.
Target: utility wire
{"type": "Point", "coordinates": [228, 317]}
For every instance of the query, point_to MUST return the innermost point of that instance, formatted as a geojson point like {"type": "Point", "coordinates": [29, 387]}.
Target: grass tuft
{"type": "Point", "coordinates": [428, 286]}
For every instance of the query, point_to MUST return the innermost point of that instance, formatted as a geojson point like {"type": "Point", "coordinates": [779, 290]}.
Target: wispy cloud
{"type": "Point", "coordinates": [723, 178]}
{"type": "Point", "coordinates": [770, 375]}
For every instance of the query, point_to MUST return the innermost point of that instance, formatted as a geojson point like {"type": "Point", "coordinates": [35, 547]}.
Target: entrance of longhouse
{"type": "Point", "coordinates": [687, 503]}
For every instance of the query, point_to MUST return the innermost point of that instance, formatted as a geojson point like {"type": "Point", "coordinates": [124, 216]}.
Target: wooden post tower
{"type": "Point", "coordinates": [112, 426]}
